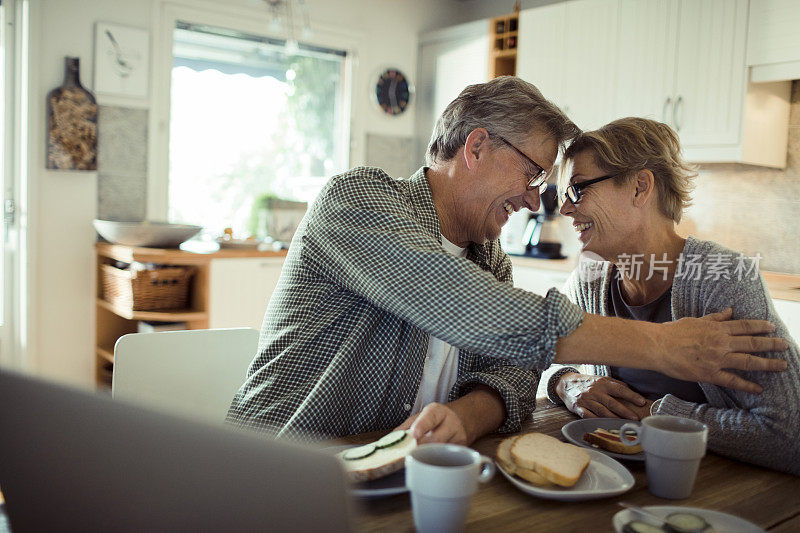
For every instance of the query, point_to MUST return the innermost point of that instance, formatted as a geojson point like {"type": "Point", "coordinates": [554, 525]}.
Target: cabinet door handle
{"type": "Point", "coordinates": [678, 104]}
{"type": "Point", "coordinates": [667, 102]}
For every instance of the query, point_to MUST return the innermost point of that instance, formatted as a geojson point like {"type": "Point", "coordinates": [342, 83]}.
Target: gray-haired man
{"type": "Point", "coordinates": [395, 305]}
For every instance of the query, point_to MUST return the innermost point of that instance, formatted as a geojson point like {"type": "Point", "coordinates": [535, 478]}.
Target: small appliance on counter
{"type": "Point", "coordinates": [535, 234]}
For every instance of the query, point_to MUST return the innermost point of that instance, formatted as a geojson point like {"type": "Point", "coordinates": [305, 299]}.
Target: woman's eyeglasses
{"type": "Point", "coordinates": [575, 191]}
{"type": "Point", "coordinates": [538, 180]}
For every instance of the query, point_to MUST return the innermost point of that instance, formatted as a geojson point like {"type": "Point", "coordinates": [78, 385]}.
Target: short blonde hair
{"type": "Point", "coordinates": [631, 144]}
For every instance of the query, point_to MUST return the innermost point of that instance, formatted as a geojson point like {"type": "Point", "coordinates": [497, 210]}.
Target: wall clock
{"type": "Point", "coordinates": [393, 91]}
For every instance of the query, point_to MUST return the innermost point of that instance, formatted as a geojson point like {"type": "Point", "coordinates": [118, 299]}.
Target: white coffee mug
{"type": "Point", "coordinates": [442, 479]}
{"type": "Point", "coordinates": [673, 447]}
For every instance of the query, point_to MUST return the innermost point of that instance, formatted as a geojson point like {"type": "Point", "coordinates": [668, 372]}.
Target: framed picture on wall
{"type": "Point", "coordinates": [121, 60]}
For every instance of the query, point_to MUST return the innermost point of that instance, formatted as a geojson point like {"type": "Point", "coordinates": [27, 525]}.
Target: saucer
{"type": "Point", "coordinates": [720, 522]}
{"type": "Point", "coordinates": [603, 478]}
{"type": "Point", "coordinates": [575, 430]}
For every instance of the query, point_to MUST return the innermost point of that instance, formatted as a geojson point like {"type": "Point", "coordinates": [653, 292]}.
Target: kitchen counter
{"type": "Point", "coordinates": [129, 254]}
{"type": "Point", "coordinates": [781, 286]}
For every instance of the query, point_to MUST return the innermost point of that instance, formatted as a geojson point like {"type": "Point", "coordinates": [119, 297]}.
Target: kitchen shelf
{"type": "Point", "coordinates": [505, 53]}
{"type": "Point", "coordinates": [179, 315]}
{"type": "Point", "coordinates": [503, 43]}
{"type": "Point", "coordinates": [113, 321]}
{"type": "Point", "coordinates": [105, 354]}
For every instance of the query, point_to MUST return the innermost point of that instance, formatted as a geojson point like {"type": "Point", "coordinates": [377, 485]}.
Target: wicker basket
{"type": "Point", "coordinates": [146, 290]}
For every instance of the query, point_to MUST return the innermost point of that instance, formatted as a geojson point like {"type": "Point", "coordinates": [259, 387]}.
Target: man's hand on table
{"type": "Point", "coordinates": [459, 422]}
{"type": "Point", "coordinates": [597, 396]}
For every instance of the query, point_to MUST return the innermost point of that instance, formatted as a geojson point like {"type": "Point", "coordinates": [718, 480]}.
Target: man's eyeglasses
{"type": "Point", "coordinates": [538, 179]}
{"type": "Point", "coordinates": [575, 191]}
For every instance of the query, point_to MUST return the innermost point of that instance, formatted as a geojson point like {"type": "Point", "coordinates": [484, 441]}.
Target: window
{"type": "Point", "coordinates": [250, 117]}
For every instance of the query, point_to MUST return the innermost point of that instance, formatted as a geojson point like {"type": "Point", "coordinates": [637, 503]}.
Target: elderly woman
{"type": "Point", "coordinates": [626, 190]}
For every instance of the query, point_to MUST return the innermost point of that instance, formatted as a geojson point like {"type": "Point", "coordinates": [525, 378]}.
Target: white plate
{"type": "Point", "coordinates": [604, 477]}
{"type": "Point", "coordinates": [721, 522]}
{"type": "Point", "coordinates": [379, 488]}
{"type": "Point", "coordinates": [575, 430]}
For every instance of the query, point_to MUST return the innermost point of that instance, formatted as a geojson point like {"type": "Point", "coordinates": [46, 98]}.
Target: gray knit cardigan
{"type": "Point", "coordinates": [763, 429]}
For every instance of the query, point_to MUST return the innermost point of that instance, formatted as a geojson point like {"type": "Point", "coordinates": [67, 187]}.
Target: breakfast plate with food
{"type": "Point", "coordinates": [375, 470]}
{"type": "Point", "coordinates": [680, 520]}
{"type": "Point", "coordinates": [602, 434]}
{"type": "Point", "coordinates": [545, 467]}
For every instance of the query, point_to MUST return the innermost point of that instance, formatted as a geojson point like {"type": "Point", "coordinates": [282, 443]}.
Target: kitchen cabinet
{"type": "Point", "coordinates": [681, 62]}
{"type": "Point", "coordinates": [790, 314]}
{"type": "Point", "coordinates": [589, 62]}
{"type": "Point", "coordinates": [239, 290]}
{"type": "Point", "coordinates": [773, 40]}
{"type": "Point", "coordinates": [539, 58]}
{"type": "Point", "coordinates": [230, 288]}
{"type": "Point", "coordinates": [541, 275]}
{"type": "Point", "coordinates": [568, 51]}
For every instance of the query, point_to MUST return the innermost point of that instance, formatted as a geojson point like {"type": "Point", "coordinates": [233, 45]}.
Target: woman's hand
{"type": "Point", "coordinates": [436, 423]}
{"type": "Point", "coordinates": [596, 396]}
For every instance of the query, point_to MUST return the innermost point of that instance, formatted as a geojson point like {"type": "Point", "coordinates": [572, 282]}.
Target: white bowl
{"type": "Point", "coordinates": [147, 234]}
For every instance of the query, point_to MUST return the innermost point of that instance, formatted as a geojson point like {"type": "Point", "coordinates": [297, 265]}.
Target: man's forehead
{"type": "Point", "coordinates": [542, 144]}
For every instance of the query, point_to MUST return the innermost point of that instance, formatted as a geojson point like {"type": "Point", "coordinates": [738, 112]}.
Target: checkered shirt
{"type": "Point", "coordinates": [365, 282]}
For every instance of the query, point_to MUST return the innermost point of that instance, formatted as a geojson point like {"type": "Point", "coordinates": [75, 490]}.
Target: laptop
{"type": "Point", "coordinates": [76, 461]}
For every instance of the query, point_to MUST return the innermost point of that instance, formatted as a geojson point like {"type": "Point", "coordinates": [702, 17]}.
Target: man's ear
{"type": "Point", "coordinates": [645, 184]}
{"type": "Point", "coordinates": [476, 146]}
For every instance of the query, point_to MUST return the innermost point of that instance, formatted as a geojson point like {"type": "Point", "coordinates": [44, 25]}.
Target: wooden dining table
{"type": "Point", "coordinates": [766, 498]}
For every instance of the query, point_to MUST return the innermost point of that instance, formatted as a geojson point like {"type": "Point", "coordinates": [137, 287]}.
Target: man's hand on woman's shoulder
{"type": "Point", "coordinates": [704, 349]}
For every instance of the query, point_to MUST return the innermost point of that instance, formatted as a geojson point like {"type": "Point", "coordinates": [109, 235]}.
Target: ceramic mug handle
{"type": "Point", "coordinates": [632, 427]}
{"type": "Point", "coordinates": [487, 469]}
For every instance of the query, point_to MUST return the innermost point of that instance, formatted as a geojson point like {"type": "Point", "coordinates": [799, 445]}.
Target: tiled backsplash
{"type": "Point", "coordinates": [122, 163]}
{"type": "Point", "coordinates": [752, 209]}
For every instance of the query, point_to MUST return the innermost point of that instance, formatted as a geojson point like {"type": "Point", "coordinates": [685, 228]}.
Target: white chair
{"type": "Point", "coordinates": [194, 372]}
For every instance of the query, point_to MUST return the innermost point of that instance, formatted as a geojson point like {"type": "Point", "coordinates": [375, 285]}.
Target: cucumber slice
{"type": "Point", "coordinates": [686, 523]}
{"type": "Point", "coordinates": [359, 453]}
{"type": "Point", "coordinates": [391, 439]}
{"type": "Point", "coordinates": [641, 527]}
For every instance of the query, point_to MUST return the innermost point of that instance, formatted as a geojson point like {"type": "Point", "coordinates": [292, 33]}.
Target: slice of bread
{"type": "Point", "coordinates": [534, 478]}
{"type": "Point", "coordinates": [507, 463]}
{"type": "Point", "coordinates": [504, 455]}
{"type": "Point", "coordinates": [610, 441]}
{"type": "Point", "coordinates": [555, 461]}
{"type": "Point", "coordinates": [383, 462]}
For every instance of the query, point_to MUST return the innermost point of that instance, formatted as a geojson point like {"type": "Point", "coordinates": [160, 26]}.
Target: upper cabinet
{"type": "Point", "coordinates": [710, 72]}
{"type": "Point", "coordinates": [681, 62]}
{"type": "Point", "coordinates": [646, 59]}
{"type": "Point", "coordinates": [589, 62]}
{"type": "Point", "coordinates": [568, 51]}
{"type": "Point", "coordinates": [539, 56]}
{"type": "Point", "coordinates": [773, 40]}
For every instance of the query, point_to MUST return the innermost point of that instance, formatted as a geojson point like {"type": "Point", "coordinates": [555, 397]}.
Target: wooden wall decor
{"type": "Point", "coordinates": [71, 123]}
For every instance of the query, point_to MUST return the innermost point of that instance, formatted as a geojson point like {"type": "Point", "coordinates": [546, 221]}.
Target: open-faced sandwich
{"type": "Point", "coordinates": [610, 440]}
{"type": "Point", "coordinates": [380, 458]}
{"type": "Point", "coordinates": [542, 460]}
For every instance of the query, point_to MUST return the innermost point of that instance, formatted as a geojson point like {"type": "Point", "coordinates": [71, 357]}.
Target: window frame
{"type": "Point", "coordinates": [247, 21]}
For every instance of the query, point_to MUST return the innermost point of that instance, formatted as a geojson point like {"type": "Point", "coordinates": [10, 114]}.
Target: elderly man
{"type": "Point", "coordinates": [395, 305]}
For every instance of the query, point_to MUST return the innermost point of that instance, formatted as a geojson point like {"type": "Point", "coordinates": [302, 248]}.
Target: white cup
{"type": "Point", "coordinates": [442, 479]}
{"type": "Point", "coordinates": [673, 447]}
